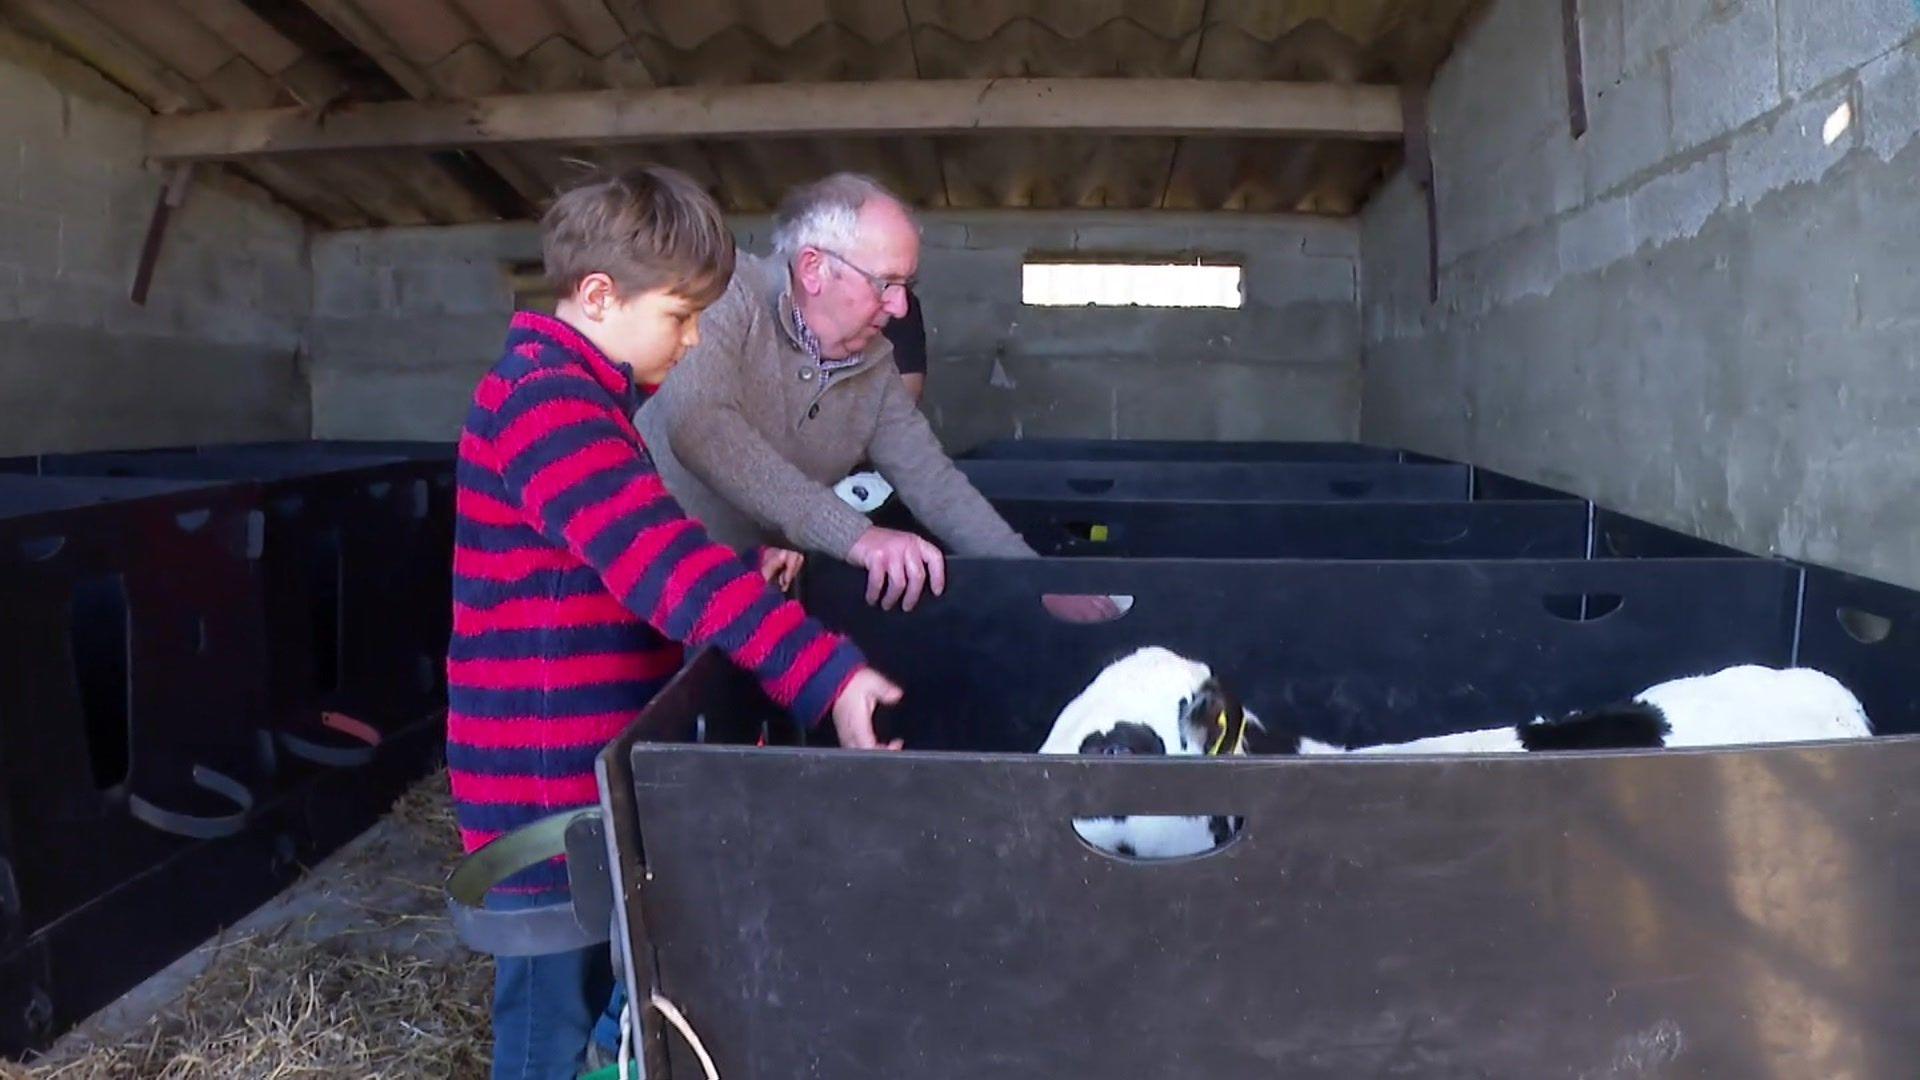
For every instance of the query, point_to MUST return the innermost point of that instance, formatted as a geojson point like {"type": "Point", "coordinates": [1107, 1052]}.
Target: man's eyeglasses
{"type": "Point", "coordinates": [881, 285]}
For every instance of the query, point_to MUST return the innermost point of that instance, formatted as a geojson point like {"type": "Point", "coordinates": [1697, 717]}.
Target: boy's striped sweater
{"type": "Point", "coordinates": [576, 578]}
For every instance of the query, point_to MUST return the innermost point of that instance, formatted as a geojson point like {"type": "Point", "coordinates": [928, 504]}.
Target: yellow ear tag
{"type": "Point", "coordinates": [1098, 534]}
{"type": "Point", "coordinates": [1220, 739]}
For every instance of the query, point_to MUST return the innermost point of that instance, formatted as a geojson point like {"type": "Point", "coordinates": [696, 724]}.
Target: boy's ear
{"type": "Point", "coordinates": [596, 294]}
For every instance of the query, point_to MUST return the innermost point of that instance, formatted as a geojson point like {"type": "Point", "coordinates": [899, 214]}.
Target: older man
{"type": "Point", "coordinates": [793, 385]}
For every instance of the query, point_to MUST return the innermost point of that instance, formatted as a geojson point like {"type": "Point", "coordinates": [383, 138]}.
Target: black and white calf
{"type": "Point", "coordinates": [1152, 702]}
{"type": "Point", "coordinates": [1736, 706]}
{"type": "Point", "coordinates": [1158, 702]}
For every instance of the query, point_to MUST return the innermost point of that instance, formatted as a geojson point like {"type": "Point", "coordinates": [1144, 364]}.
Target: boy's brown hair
{"type": "Point", "coordinates": [647, 227]}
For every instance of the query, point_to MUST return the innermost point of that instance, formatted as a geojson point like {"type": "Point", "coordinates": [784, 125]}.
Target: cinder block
{"type": "Point", "coordinates": [1888, 285]}
{"type": "Point", "coordinates": [391, 404]}
{"type": "Point", "coordinates": [1021, 234]}
{"type": "Point", "coordinates": [1416, 395]}
{"type": "Point", "coordinates": [1725, 76]}
{"type": "Point", "coordinates": [1500, 92]}
{"type": "Point", "coordinates": [1790, 150]}
{"type": "Point", "coordinates": [33, 109]}
{"type": "Point", "coordinates": [1393, 263]}
{"type": "Point", "coordinates": [89, 248]}
{"type": "Point", "coordinates": [1821, 39]}
{"type": "Point", "coordinates": [453, 287]}
{"type": "Point", "coordinates": [346, 288]}
{"type": "Point", "coordinates": [1799, 262]}
{"type": "Point", "coordinates": [1651, 27]}
{"type": "Point", "coordinates": [994, 272]}
{"type": "Point", "coordinates": [371, 345]}
{"type": "Point", "coordinates": [1333, 238]}
{"type": "Point", "coordinates": [65, 178]}
{"type": "Point", "coordinates": [1107, 332]}
{"type": "Point", "coordinates": [958, 323]}
{"type": "Point", "coordinates": [1890, 102]}
{"type": "Point", "coordinates": [1390, 223]}
{"type": "Point", "coordinates": [1678, 204]}
{"type": "Point", "coordinates": [30, 240]}
{"type": "Point", "coordinates": [1056, 398]}
{"type": "Point", "coordinates": [13, 295]}
{"type": "Point", "coordinates": [1597, 236]}
{"type": "Point", "coordinates": [286, 289]}
{"type": "Point", "coordinates": [1468, 286]}
{"type": "Point", "coordinates": [1563, 174]}
{"type": "Point", "coordinates": [1273, 278]}
{"type": "Point", "coordinates": [936, 232]}
{"type": "Point", "coordinates": [1237, 401]}
{"type": "Point", "coordinates": [1603, 37]}
{"type": "Point", "coordinates": [1483, 208]}
{"type": "Point", "coordinates": [1628, 129]}
{"type": "Point", "coordinates": [111, 390]}
{"type": "Point", "coordinates": [1307, 333]}
{"type": "Point", "coordinates": [511, 241]}
{"type": "Point", "coordinates": [338, 252]}
{"type": "Point", "coordinates": [1527, 265]}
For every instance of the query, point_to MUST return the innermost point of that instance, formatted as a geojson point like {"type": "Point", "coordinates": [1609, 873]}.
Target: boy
{"type": "Point", "coordinates": [577, 578]}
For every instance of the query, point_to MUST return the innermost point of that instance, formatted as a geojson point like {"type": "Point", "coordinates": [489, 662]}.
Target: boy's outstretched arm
{"type": "Point", "coordinates": [572, 467]}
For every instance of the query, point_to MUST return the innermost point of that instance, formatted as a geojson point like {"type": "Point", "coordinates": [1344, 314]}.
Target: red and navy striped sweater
{"type": "Point", "coordinates": [576, 578]}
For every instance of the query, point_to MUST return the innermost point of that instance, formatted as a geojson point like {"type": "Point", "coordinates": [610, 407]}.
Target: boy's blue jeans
{"type": "Point", "coordinates": [545, 1007]}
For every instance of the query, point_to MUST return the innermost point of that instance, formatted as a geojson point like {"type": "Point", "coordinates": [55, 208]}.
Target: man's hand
{"type": "Point", "coordinates": [780, 567]}
{"type": "Point", "coordinates": [899, 565]}
{"type": "Point", "coordinates": [1081, 609]}
{"type": "Point", "coordinates": [853, 710]}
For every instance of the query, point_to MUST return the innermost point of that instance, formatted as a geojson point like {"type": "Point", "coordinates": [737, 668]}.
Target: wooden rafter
{"type": "Point", "coordinates": [902, 107]}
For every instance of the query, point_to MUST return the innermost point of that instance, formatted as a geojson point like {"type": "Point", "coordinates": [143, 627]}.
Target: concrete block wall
{"type": "Point", "coordinates": [216, 353]}
{"type": "Point", "coordinates": [405, 320]}
{"type": "Point", "coordinates": [1706, 311]}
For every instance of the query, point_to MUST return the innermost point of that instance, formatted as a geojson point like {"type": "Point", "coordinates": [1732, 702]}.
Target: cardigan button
{"type": "Point", "coordinates": [806, 374]}
{"type": "Point", "coordinates": [813, 412]}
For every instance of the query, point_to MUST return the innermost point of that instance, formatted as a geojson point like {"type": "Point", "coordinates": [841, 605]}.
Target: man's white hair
{"type": "Point", "coordinates": [825, 213]}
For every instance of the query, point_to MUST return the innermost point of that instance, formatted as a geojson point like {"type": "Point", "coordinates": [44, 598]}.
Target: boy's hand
{"type": "Point", "coordinates": [853, 710]}
{"type": "Point", "coordinates": [900, 563]}
{"type": "Point", "coordinates": [780, 567]}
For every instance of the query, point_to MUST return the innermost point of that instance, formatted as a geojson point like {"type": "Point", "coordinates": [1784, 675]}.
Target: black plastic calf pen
{"type": "Point", "coordinates": [1176, 450]}
{"type": "Point", "coordinates": [1725, 912]}
{"type": "Point", "coordinates": [221, 666]}
{"type": "Point", "coordinates": [1228, 480]}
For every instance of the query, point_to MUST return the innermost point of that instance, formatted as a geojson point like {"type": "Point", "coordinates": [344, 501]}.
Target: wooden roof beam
{"type": "Point", "coordinates": [1205, 107]}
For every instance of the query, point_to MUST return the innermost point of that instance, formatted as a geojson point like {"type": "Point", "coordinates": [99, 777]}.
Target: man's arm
{"type": "Point", "coordinates": [916, 386]}
{"type": "Point", "coordinates": [906, 452]}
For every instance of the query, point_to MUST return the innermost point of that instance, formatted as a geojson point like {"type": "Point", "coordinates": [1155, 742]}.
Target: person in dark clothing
{"type": "Point", "coordinates": [909, 337]}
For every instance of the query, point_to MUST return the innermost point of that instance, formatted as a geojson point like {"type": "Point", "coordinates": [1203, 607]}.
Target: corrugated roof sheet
{"type": "Point", "coordinates": [191, 55]}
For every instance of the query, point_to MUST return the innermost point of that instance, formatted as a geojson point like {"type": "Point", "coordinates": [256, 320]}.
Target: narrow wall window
{"type": "Point", "coordinates": [1054, 282]}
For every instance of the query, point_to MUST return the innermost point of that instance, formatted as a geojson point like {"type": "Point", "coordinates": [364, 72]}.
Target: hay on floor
{"type": "Point", "coordinates": [368, 983]}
